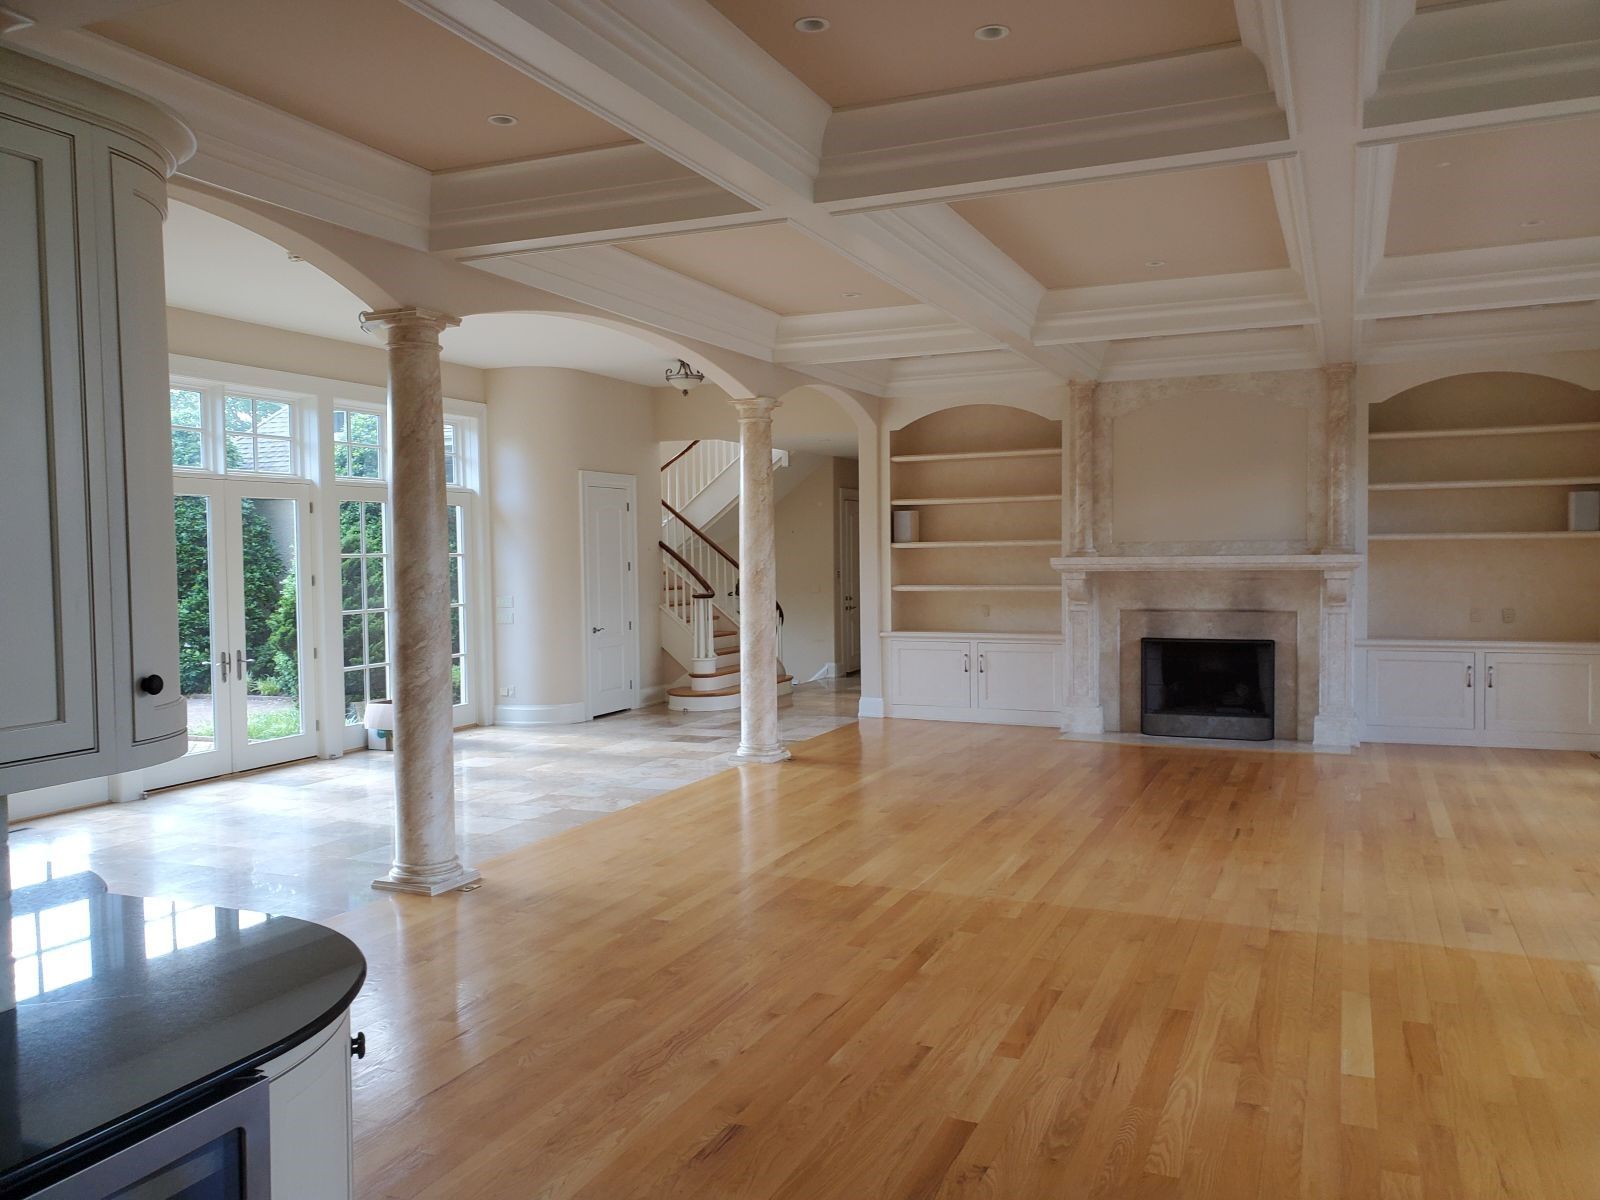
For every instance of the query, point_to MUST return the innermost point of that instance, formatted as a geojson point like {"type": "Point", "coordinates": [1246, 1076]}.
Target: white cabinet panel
{"type": "Point", "coordinates": [311, 1120]}
{"type": "Point", "coordinates": [934, 674]}
{"type": "Point", "coordinates": [1017, 675]}
{"type": "Point", "coordinates": [1543, 693]}
{"type": "Point", "coordinates": [1422, 689]}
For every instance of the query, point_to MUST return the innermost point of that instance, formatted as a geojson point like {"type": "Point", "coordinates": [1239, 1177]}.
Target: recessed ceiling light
{"type": "Point", "coordinates": [991, 33]}
{"type": "Point", "coordinates": [1533, 223]}
{"type": "Point", "coordinates": [851, 295]}
{"type": "Point", "coordinates": [1155, 262]}
{"type": "Point", "coordinates": [1444, 162]}
{"type": "Point", "coordinates": [502, 119]}
{"type": "Point", "coordinates": [812, 24]}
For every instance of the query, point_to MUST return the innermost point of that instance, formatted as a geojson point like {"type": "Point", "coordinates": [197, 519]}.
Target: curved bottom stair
{"type": "Point", "coordinates": [693, 699]}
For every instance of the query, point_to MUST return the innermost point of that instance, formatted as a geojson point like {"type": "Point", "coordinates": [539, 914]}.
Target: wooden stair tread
{"type": "Point", "coordinates": [732, 669]}
{"type": "Point", "coordinates": [731, 691]}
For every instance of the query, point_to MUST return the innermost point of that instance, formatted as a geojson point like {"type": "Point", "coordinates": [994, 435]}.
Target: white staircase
{"type": "Point", "coordinates": [700, 581]}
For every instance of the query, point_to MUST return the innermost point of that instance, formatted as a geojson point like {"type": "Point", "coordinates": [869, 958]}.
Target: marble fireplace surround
{"type": "Point", "coordinates": [1110, 601]}
{"type": "Point", "coordinates": [1281, 628]}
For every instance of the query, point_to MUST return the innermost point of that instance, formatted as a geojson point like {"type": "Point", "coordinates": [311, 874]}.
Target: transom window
{"type": "Point", "coordinates": [259, 435]}
{"type": "Point", "coordinates": [357, 444]}
{"type": "Point", "coordinates": [188, 428]}
{"type": "Point", "coordinates": [364, 592]}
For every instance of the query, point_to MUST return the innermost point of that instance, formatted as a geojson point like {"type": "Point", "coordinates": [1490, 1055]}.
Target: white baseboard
{"type": "Point", "coordinates": [972, 716]}
{"type": "Point", "coordinates": [870, 706]}
{"type": "Point", "coordinates": [528, 715]}
{"type": "Point", "coordinates": [654, 694]}
{"type": "Point", "coordinates": [1502, 740]}
{"type": "Point", "coordinates": [825, 671]}
{"type": "Point", "coordinates": [58, 798]}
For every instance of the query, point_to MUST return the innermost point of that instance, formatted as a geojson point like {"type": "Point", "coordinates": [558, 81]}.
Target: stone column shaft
{"type": "Point", "coordinates": [1340, 417]}
{"type": "Point", "coordinates": [1335, 725]}
{"type": "Point", "coordinates": [759, 738]}
{"type": "Point", "coordinates": [426, 860]}
{"type": "Point", "coordinates": [1080, 531]}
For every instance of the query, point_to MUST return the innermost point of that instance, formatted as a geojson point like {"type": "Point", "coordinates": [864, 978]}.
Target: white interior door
{"type": "Point", "coordinates": [609, 621]}
{"type": "Point", "coordinates": [242, 656]}
{"type": "Point", "coordinates": [849, 573]}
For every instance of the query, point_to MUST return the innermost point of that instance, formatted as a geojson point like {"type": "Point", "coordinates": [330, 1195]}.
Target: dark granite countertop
{"type": "Point", "coordinates": [126, 1006]}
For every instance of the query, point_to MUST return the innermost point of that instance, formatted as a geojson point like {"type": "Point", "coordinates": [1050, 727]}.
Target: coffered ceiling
{"type": "Point", "coordinates": [372, 70]}
{"type": "Point", "coordinates": [887, 49]}
{"type": "Point", "coordinates": [1117, 188]}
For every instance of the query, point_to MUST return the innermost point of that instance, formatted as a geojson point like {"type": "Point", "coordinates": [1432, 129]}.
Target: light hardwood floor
{"type": "Point", "coordinates": [958, 961]}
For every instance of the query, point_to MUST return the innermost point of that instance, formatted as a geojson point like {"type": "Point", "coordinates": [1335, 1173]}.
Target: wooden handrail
{"type": "Point", "coordinates": [706, 592]}
{"type": "Point", "coordinates": [701, 534]}
{"type": "Point", "coordinates": [680, 454]}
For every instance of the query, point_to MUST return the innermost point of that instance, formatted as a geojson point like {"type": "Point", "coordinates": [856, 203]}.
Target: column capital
{"type": "Point", "coordinates": [1082, 389]}
{"type": "Point", "coordinates": [1339, 374]}
{"type": "Point", "coordinates": [755, 408]}
{"type": "Point", "coordinates": [398, 323]}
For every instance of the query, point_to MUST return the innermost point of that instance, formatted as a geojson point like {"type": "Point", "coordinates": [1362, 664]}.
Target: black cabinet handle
{"type": "Point", "coordinates": [358, 1045]}
{"type": "Point", "coordinates": [152, 685]}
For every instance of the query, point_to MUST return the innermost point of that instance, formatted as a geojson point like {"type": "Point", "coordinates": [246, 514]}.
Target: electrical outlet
{"type": "Point", "coordinates": [505, 601]}
{"type": "Point", "coordinates": [1475, 615]}
{"type": "Point", "coordinates": [1508, 616]}
{"type": "Point", "coordinates": [504, 616]}
{"type": "Point", "coordinates": [507, 692]}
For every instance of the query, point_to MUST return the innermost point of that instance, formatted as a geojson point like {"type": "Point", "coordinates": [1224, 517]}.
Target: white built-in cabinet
{"type": "Point", "coordinates": [88, 600]}
{"type": "Point", "coordinates": [991, 680]}
{"type": "Point", "coordinates": [1537, 695]}
{"type": "Point", "coordinates": [310, 1118]}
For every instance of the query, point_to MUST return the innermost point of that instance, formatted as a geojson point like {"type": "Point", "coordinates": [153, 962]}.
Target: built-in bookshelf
{"type": "Point", "coordinates": [986, 484]}
{"type": "Point", "coordinates": [1467, 511]}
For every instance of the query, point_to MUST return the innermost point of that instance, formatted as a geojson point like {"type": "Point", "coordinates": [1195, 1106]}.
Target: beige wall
{"type": "Point", "coordinates": [807, 420]}
{"type": "Point", "coordinates": [201, 335]}
{"type": "Point", "coordinates": [545, 426]}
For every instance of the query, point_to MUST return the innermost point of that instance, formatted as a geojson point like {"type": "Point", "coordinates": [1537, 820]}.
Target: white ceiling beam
{"type": "Point", "coordinates": [1174, 307]}
{"type": "Point", "coordinates": [75, 14]}
{"type": "Point", "coordinates": [608, 194]}
{"type": "Point", "coordinates": [1498, 277]}
{"type": "Point", "coordinates": [1191, 109]}
{"type": "Point", "coordinates": [1292, 349]}
{"type": "Point", "coordinates": [1526, 331]}
{"type": "Point", "coordinates": [1261, 32]}
{"type": "Point", "coordinates": [904, 331]}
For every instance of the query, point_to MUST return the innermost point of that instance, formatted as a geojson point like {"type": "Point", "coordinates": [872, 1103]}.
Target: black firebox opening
{"type": "Point", "coordinates": [1207, 687]}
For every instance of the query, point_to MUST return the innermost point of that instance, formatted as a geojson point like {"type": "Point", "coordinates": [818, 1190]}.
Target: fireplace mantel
{"type": "Point", "coordinates": [1206, 562]}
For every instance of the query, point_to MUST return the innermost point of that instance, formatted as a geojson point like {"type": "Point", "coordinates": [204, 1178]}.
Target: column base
{"type": "Point", "coordinates": [762, 754]}
{"type": "Point", "coordinates": [417, 885]}
{"type": "Point", "coordinates": [1084, 718]}
{"type": "Point", "coordinates": [1336, 733]}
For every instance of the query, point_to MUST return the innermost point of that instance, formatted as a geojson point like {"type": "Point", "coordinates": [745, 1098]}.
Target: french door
{"type": "Point", "coordinates": [241, 626]}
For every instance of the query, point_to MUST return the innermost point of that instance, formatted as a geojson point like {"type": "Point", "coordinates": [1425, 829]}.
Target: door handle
{"type": "Point", "coordinates": [223, 663]}
{"type": "Point", "coordinates": [1469, 674]}
{"type": "Point", "coordinates": [597, 629]}
{"type": "Point", "coordinates": [966, 664]}
{"type": "Point", "coordinates": [1491, 675]}
{"type": "Point", "coordinates": [238, 664]}
{"type": "Point", "coordinates": [980, 664]}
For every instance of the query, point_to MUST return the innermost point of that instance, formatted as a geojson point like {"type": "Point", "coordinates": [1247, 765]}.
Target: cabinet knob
{"type": "Point", "coordinates": [152, 685]}
{"type": "Point", "coordinates": [358, 1045]}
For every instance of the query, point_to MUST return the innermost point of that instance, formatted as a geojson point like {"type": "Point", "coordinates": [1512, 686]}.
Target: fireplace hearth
{"type": "Point", "coordinates": [1207, 688]}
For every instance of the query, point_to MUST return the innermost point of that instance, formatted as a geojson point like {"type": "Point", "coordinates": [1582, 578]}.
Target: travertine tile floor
{"type": "Point", "coordinates": [307, 839]}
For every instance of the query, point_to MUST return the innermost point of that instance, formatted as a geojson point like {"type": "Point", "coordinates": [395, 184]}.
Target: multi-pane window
{"type": "Point", "coordinates": [364, 592]}
{"type": "Point", "coordinates": [452, 455]}
{"type": "Point", "coordinates": [357, 444]}
{"type": "Point", "coordinates": [259, 435]}
{"type": "Point", "coordinates": [188, 427]}
{"type": "Point", "coordinates": [458, 602]}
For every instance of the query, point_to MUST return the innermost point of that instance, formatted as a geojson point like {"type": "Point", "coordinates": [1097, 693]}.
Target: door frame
{"type": "Point", "coordinates": [630, 483]}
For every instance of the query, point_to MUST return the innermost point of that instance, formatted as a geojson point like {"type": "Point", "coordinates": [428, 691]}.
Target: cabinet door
{"type": "Point", "coordinates": [1528, 692]}
{"type": "Point", "coordinates": [48, 692]}
{"type": "Point", "coordinates": [1017, 675]}
{"type": "Point", "coordinates": [932, 674]}
{"type": "Point", "coordinates": [311, 1122]}
{"type": "Point", "coordinates": [136, 385]}
{"type": "Point", "coordinates": [1422, 689]}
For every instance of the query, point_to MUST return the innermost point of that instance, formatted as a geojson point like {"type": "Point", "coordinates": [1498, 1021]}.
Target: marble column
{"type": "Point", "coordinates": [426, 861]}
{"type": "Point", "coordinates": [1080, 529]}
{"type": "Point", "coordinates": [759, 739]}
{"type": "Point", "coordinates": [1080, 618]}
{"type": "Point", "coordinates": [1336, 725]}
{"type": "Point", "coordinates": [1339, 433]}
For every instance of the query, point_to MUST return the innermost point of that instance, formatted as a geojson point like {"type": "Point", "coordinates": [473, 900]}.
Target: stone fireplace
{"type": "Point", "coordinates": [1207, 688]}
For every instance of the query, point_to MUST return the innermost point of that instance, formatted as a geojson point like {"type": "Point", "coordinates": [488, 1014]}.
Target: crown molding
{"type": "Point", "coordinates": [1173, 307]}
{"type": "Point", "coordinates": [1184, 110]}
{"type": "Point", "coordinates": [1550, 79]}
{"type": "Point", "coordinates": [1229, 353]}
{"type": "Point", "coordinates": [987, 373]}
{"type": "Point", "coordinates": [610, 193]}
{"type": "Point", "coordinates": [1529, 331]}
{"type": "Point", "coordinates": [1553, 272]}
{"type": "Point", "coordinates": [252, 148]}
{"type": "Point", "coordinates": [904, 331]}
{"type": "Point", "coordinates": [629, 286]}
{"type": "Point", "coordinates": [1261, 31]}
{"type": "Point", "coordinates": [752, 128]}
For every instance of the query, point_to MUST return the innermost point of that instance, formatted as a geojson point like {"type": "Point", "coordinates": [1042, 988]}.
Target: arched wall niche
{"type": "Point", "coordinates": [1486, 398]}
{"type": "Point", "coordinates": [901, 411]}
{"type": "Point", "coordinates": [1378, 383]}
